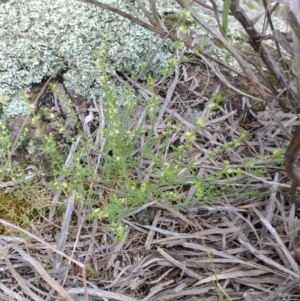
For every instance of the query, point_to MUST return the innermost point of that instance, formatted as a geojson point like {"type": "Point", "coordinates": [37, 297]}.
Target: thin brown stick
{"type": "Point", "coordinates": [292, 151]}
{"type": "Point", "coordinates": [187, 42]}
{"type": "Point", "coordinates": [290, 158]}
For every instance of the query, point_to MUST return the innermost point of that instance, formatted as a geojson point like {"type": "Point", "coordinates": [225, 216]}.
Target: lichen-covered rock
{"type": "Point", "coordinates": [36, 36]}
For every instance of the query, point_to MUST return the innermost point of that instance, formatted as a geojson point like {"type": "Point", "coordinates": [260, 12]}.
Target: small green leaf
{"type": "Point", "coordinates": [225, 15]}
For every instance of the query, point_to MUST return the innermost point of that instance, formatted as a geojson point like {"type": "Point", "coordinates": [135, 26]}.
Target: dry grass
{"type": "Point", "coordinates": [239, 242]}
{"type": "Point", "coordinates": [236, 247]}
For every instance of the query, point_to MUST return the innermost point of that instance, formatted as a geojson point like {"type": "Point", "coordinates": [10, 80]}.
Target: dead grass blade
{"type": "Point", "coordinates": [42, 272]}
{"type": "Point", "coordinates": [21, 281]}
{"type": "Point", "coordinates": [178, 264]}
{"type": "Point", "coordinates": [100, 294]}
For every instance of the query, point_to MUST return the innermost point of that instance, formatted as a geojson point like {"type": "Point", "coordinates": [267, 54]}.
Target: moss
{"type": "Point", "coordinates": [14, 210]}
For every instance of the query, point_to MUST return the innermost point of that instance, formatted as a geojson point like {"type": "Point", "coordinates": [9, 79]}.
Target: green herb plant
{"type": "Point", "coordinates": [122, 163]}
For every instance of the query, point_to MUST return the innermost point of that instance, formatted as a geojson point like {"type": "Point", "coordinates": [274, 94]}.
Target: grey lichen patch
{"type": "Point", "coordinates": [37, 36]}
{"type": "Point", "coordinates": [17, 106]}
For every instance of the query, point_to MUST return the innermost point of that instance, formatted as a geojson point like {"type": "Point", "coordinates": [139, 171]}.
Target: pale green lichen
{"type": "Point", "coordinates": [36, 36]}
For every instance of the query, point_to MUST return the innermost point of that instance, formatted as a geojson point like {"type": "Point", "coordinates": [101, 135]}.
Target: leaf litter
{"type": "Point", "coordinates": [238, 242]}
